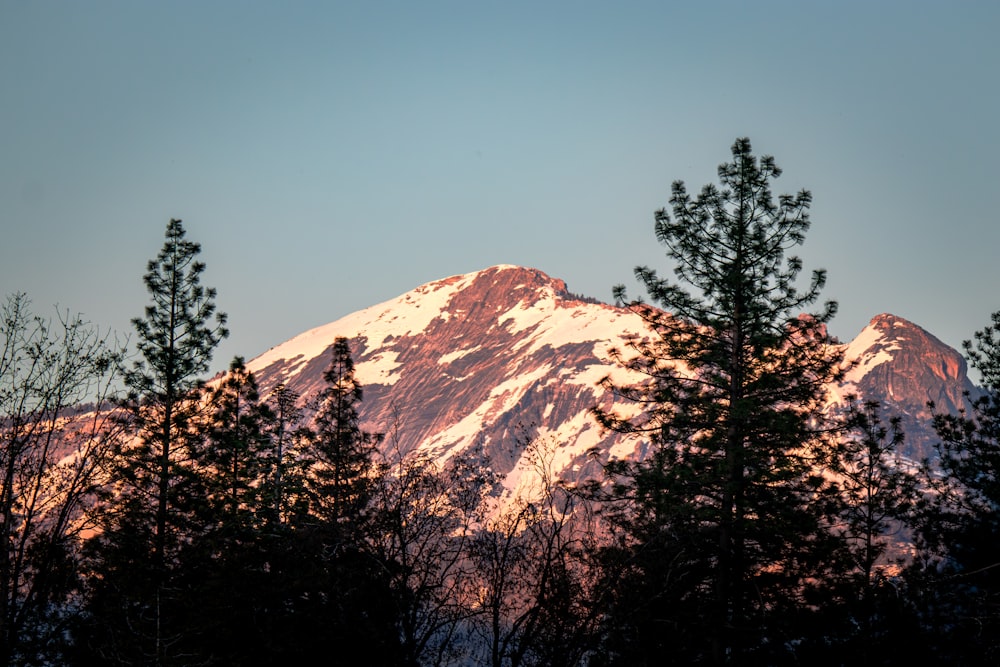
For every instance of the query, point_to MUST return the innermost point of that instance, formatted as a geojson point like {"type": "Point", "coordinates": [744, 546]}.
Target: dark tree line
{"type": "Point", "coordinates": [762, 529]}
{"type": "Point", "coordinates": [180, 522]}
{"type": "Point", "coordinates": [229, 527]}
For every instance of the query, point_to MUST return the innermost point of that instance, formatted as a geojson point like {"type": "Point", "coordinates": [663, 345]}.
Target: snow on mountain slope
{"type": "Point", "coordinates": [499, 356]}
{"type": "Point", "coordinates": [491, 358]}
{"type": "Point", "coordinates": [407, 314]}
{"type": "Point", "coordinates": [869, 349]}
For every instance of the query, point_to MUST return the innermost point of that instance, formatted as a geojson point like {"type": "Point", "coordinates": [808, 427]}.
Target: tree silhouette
{"type": "Point", "coordinates": [733, 403]}
{"type": "Point", "coordinates": [152, 509]}
{"type": "Point", "coordinates": [958, 574]}
{"type": "Point", "coordinates": [52, 451]}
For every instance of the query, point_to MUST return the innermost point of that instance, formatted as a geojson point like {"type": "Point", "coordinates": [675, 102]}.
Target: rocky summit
{"type": "Point", "coordinates": [506, 355]}
{"type": "Point", "coordinates": [905, 368]}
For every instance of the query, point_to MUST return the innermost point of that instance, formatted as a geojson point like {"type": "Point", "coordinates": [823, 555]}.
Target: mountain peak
{"type": "Point", "coordinates": [904, 367]}
{"type": "Point", "coordinates": [887, 333]}
{"type": "Point", "coordinates": [495, 356]}
{"type": "Point", "coordinates": [516, 281]}
{"type": "Point", "coordinates": [491, 358]}
{"type": "Point", "coordinates": [415, 310]}
{"type": "Point", "coordinates": [894, 326]}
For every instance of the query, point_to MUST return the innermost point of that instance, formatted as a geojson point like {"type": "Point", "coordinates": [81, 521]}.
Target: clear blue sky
{"type": "Point", "coordinates": [332, 155]}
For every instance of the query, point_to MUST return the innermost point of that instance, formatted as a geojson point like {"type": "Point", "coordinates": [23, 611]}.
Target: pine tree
{"type": "Point", "coordinates": [284, 489]}
{"type": "Point", "coordinates": [176, 336]}
{"type": "Point", "coordinates": [866, 618]}
{"type": "Point", "coordinates": [337, 590]}
{"type": "Point", "coordinates": [878, 490]}
{"type": "Point", "coordinates": [342, 472]}
{"type": "Point", "coordinates": [232, 571]}
{"type": "Point", "coordinates": [151, 512]}
{"type": "Point", "coordinates": [733, 409]}
{"type": "Point", "coordinates": [240, 452]}
{"type": "Point", "coordinates": [959, 570]}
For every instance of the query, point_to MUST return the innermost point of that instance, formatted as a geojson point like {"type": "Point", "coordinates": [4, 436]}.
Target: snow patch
{"type": "Point", "coordinates": [407, 314]}
{"type": "Point", "coordinates": [551, 454]}
{"type": "Point", "coordinates": [501, 398]}
{"type": "Point", "coordinates": [457, 354]}
{"type": "Point", "coordinates": [380, 369]}
{"type": "Point", "coordinates": [861, 350]}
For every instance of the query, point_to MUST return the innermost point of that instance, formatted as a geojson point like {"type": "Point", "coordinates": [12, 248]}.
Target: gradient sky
{"type": "Point", "coordinates": [331, 155]}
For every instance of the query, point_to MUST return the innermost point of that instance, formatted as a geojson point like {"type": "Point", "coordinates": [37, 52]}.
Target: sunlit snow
{"type": "Point", "coordinates": [860, 349]}
{"type": "Point", "coordinates": [410, 313]}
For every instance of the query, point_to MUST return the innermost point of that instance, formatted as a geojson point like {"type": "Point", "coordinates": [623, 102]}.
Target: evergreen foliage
{"type": "Point", "coordinates": [176, 338]}
{"type": "Point", "coordinates": [341, 588]}
{"type": "Point", "coordinates": [864, 618]}
{"type": "Point", "coordinates": [733, 408]}
{"type": "Point", "coordinates": [879, 492]}
{"type": "Point", "coordinates": [228, 567]}
{"type": "Point", "coordinates": [342, 473]}
{"type": "Point", "coordinates": [240, 455]}
{"type": "Point", "coordinates": [958, 577]}
{"type": "Point", "coordinates": [158, 494]}
{"type": "Point", "coordinates": [284, 488]}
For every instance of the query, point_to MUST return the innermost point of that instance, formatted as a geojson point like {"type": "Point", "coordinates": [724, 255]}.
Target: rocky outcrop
{"type": "Point", "coordinates": [906, 368]}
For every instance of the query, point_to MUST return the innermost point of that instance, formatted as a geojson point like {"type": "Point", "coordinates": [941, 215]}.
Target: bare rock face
{"type": "Point", "coordinates": [905, 368]}
{"type": "Point", "coordinates": [507, 354]}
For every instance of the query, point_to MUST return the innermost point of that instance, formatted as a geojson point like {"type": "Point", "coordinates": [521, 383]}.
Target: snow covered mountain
{"type": "Point", "coordinates": [905, 367]}
{"type": "Point", "coordinates": [489, 358]}
{"type": "Point", "coordinates": [507, 353]}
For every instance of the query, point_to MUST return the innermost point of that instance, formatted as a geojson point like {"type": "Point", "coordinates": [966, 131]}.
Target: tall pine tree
{"type": "Point", "coordinates": [151, 511]}
{"type": "Point", "coordinates": [340, 590]}
{"type": "Point", "coordinates": [284, 489]}
{"type": "Point", "coordinates": [865, 619]}
{"type": "Point", "coordinates": [732, 407]}
{"type": "Point", "coordinates": [232, 570]}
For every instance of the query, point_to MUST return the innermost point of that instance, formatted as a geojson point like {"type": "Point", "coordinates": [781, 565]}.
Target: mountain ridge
{"type": "Point", "coordinates": [504, 355]}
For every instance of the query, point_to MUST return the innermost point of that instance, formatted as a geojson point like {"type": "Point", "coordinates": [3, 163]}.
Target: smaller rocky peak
{"type": "Point", "coordinates": [904, 367]}
{"type": "Point", "coordinates": [505, 287]}
{"type": "Point", "coordinates": [507, 280]}
{"type": "Point", "coordinates": [911, 345]}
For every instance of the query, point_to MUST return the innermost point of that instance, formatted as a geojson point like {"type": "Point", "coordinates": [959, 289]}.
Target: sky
{"type": "Point", "coordinates": [329, 156]}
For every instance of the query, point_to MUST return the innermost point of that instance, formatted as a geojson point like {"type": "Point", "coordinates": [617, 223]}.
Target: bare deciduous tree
{"type": "Point", "coordinates": [51, 453]}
